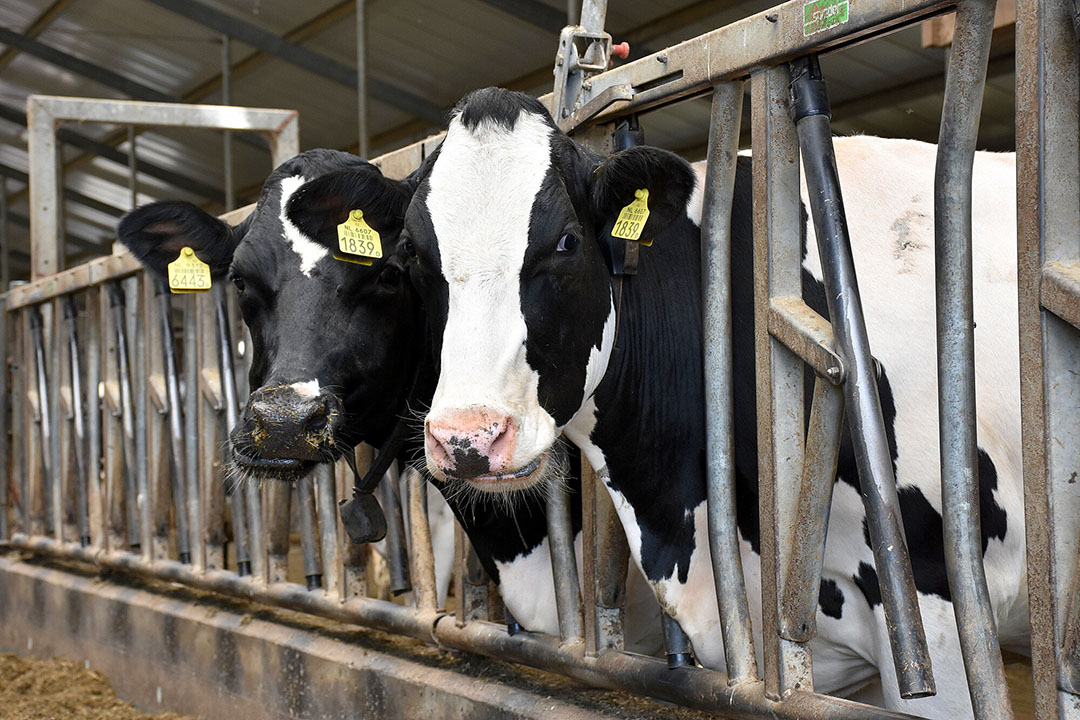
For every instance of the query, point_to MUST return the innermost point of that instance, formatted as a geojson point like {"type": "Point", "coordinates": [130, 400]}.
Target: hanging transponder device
{"type": "Point", "coordinates": [632, 218]}
{"type": "Point", "coordinates": [188, 274]}
{"type": "Point", "coordinates": [358, 242]}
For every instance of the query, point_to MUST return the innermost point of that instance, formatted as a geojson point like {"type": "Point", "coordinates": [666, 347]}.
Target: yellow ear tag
{"type": "Point", "coordinates": [631, 220]}
{"type": "Point", "coordinates": [189, 274]}
{"type": "Point", "coordinates": [358, 242]}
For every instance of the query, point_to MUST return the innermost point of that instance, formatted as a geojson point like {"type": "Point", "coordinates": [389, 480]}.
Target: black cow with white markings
{"type": "Point", "coordinates": [533, 343]}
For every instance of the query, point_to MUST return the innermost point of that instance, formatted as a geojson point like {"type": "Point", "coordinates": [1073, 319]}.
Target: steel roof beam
{"type": "Point", "coordinates": [35, 28]}
{"type": "Point", "coordinates": [533, 12]}
{"type": "Point", "coordinates": [72, 195]}
{"type": "Point", "coordinates": [88, 144]}
{"type": "Point", "coordinates": [302, 57]}
{"type": "Point", "coordinates": [98, 74]}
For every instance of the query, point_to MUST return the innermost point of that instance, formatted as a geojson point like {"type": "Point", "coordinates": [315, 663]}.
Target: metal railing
{"type": "Point", "coordinates": [117, 432]}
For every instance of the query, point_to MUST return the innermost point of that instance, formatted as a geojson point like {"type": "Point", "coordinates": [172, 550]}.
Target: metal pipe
{"type": "Point", "coordinates": [611, 560]}
{"type": "Point", "coordinates": [361, 77]}
{"type": "Point", "coordinates": [37, 338]}
{"type": "Point", "coordinates": [964, 83]}
{"type": "Point", "coordinates": [177, 459]}
{"type": "Point", "coordinates": [92, 477]}
{"type": "Point", "coordinates": [696, 688]}
{"type": "Point", "coordinates": [397, 551]}
{"type": "Point", "coordinates": [423, 571]}
{"type": "Point", "coordinates": [82, 508]}
{"type": "Point", "coordinates": [676, 643]}
{"type": "Point", "coordinates": [277, 545]}
{"type": "Point", "coordinates": [810, 111]}
{"type": "Point", "coordinates": [226, 99]}
{"type": "Point", "coordinates": [190, 445]}
{"type": "Point", "coordinates": [133, 168]}
{"type": "Point", "coordinates": [227, 372]}
{"type": "Point", "coordinates": [127, 412]}
{"type": "Point", "coordinates": [802, 578]}
{"type": "Point", "coordinates": [564, 565]}
{"type": "Point", "coordinates": [719, 404]}
{"type": "Point", "coordinates": [326, 497]}
{"type": "Point", "coordinates": [6, 478]}
{"type": "Point", "coordinates": [137, 330]}
{"type": "Point", "coordinates": [306, 505]}
{"type": "Point", "coordinates": [5, 259]}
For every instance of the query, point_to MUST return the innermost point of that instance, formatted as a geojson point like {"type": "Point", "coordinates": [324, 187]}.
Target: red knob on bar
{"type": "Point", "coordinates": [621, 50]}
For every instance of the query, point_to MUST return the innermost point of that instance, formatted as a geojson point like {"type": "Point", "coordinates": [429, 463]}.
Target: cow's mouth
{"type": "Point", "coordinates": [520, 479]}
{"type": "Point", "coordinates": [265, 468]}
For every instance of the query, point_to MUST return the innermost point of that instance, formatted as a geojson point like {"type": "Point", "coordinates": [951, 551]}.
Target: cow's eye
{"type": "Point", "coordinates": [410, 249]}
{"type": "Point", "coordinates": [238, 283]}
{"type": "Point", "coordinates": [567, 243]}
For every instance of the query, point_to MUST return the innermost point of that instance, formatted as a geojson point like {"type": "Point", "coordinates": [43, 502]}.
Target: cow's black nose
{"type": "Point", "coordinates": [279, 422]}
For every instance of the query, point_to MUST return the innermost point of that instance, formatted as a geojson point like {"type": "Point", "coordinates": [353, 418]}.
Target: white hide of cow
{"type": "Point", "coordinates": [888, 186]}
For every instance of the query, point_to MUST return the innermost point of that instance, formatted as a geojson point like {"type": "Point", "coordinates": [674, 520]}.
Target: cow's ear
{"type": "Point", "coordinates": [156, 233]}
{"type": "Point", "coordinates": [319, 206]}
{"type": "Point", "coordinates": [668, 178]}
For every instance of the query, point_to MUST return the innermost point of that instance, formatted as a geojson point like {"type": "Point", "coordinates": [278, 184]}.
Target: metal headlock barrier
{"type": "Point", "coordinates": [122, 396]}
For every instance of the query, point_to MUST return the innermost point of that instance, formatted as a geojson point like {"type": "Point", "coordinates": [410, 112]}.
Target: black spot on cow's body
{"type": "Point", "coordinates": [867, 581]}
{"type": "Point", "coordinates": [831, 599]}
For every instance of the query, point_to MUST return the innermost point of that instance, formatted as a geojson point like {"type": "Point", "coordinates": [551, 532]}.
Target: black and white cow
{"type": "Point", "coordinates": [504, 226]}
{"type": "Point", "coordinates": [336, 346]}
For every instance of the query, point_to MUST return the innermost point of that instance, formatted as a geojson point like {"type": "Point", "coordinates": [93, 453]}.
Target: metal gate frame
{"type": "Point", "coordinates": [789, 334]}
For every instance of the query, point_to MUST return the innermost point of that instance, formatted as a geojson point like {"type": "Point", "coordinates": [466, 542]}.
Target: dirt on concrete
{"type": "Point", "coordinates": [61, 689]}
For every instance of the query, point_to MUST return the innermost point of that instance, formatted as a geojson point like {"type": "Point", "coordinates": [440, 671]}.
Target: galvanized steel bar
{"type": "Point", "coordinates": [802, 577]}
{"type": "Point", "coordinates": [92, 477]}
{"type": "Point", "coordinates": [78, 415]}
{"type": "Point", "coordinates": [117, 306]}
{"type": "Point", "coordinates": [964, 85]}
{"type": "Point", "coordinates": [1048, 222]}
{"type": "Point", "coordinates": [907, 639]}
{"type": "Point", "coordinates": [564, 565]}
{"type": "Point", "coordinates": [190, 445]}
{"type": "Point", "coordinates": [277, 531]}
{"type": "Point", "coordinates": [777, 272]}
{"type": "Point", "coordinates": [325, 496]}
{"type": "Point", "coordinates": [693, 687]}
{"type": "Point", "coordinates": [306, 505]}
{"type": "Point", "coordinates": [361, 77]}
{"type": "Point", "coordinates": [719, 388]}
{"type": "Point", "coordinates": [676, 643]}
{"type": "Point", "coordinates": [423, 556]}
{"type": "Point", "coordinates": [177, 454]}
{"type": "Point", "coordinates": [397, 550]}
{"type": "Point", "coordinates": [6, 477]}
{"type": "Point", "coordinates": [136, 331]}
{"type": "Point", "coordinates": [50, 484]}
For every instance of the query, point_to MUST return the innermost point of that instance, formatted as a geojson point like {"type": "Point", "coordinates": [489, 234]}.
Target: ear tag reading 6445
{"type": "Point", "coordinates": [358, 242]}
{"type": "Point", "coordinates": [188, 274]}
{"type": "Point", "coordinates": [631, 220]}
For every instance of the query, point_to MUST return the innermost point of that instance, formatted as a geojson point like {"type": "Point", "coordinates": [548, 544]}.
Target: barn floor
{"type": "Point", "coordinates": [61, 688]}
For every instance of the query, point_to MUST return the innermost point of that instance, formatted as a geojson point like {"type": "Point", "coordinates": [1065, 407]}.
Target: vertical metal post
{"type": "Point", "coordinates": [244, 541]}
{"type": "Point", "coordinates": [719, 404]}
{"type": "Point", "coordinates": [5, 259]}
{"type": "Point", "coordinates": [190, 445]}
{"type": "Point", "coordinates": [133, 168]}
{"type": "Point", "coordinates": [397, 551]}
{"type": "Point", "coordinates": [6, 464]}
{"type": "Point", "coordinates": [177, 456]}
{"type": "Point", "coordinates": [422, 553]}
{"type": "Point", "coordinates": [46, 201]}
{"type": "Point", "coordinates": [136, 331]}
{"type": "Point", "coordinates": [964, 85]}
{"type": "Point", "coordinates": [777, 272]}
{"type": "Point", "coordinates": [564, 565]}
{"type": "Point", "coordinates": [127, 412]}
{"type": "Point", "coordinates": [226, 98]}
{"type": "Point", "coordinates": [810, 110]}
{"type": "Point", "coordinates": [1048, 222]}
{"type": "Point", "coordinates": [82, 508]}
{"type": "Point", "coordinates": [328, 534]}
{"type": "Point", "coordinates": [92, 478]}
{"type": "Point", "coordinates": [361, 77]}
{"type": "Point", "coordinates": [306, 500]}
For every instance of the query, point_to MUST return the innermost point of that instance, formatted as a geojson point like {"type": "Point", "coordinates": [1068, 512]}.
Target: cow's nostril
{"type": "Point", "coordinates": [317, 423]}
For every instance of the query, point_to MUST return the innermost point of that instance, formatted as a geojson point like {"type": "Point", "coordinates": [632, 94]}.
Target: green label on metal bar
{"type": "Point", "coordinates": [821, 15]}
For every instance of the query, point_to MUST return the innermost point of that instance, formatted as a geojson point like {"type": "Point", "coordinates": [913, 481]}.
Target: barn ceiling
{"type": "Point", "coordinates": [422, 56]}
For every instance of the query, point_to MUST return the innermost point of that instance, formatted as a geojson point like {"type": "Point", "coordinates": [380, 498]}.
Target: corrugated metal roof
{"type": "Point", "coordinates": [435, 50]}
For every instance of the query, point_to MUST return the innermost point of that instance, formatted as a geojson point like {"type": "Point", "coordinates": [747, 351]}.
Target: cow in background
{"type": "Point", "coordinates": [506, 228]}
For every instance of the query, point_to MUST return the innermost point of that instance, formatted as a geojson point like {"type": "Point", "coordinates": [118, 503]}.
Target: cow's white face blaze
{"type": "Point", "coordinates": [482, 190]}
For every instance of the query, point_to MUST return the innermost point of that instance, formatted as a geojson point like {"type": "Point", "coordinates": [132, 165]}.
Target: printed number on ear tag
{"type": "Point", "coordinates": [358, 242]}
{"type": "Point", "coordinates": [188, 274]}
{"type": "Point", "coordinates": [631, 220]}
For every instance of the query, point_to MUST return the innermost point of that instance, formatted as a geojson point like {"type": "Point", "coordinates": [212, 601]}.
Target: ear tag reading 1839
{"type": "Point", "coordinates": [631, 220]}
{"type": "Point", "coordinates": [188, 274]}
{"type": "Point", "coordinates": [358, 242]}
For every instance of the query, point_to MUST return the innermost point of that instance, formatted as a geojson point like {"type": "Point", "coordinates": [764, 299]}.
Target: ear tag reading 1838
{"type": "Point", "coordinates": [188, 274]}
{"type": "Point", "coordinates": [358, 242]}
{"type": "Point", "coordinates": [631, 220]}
